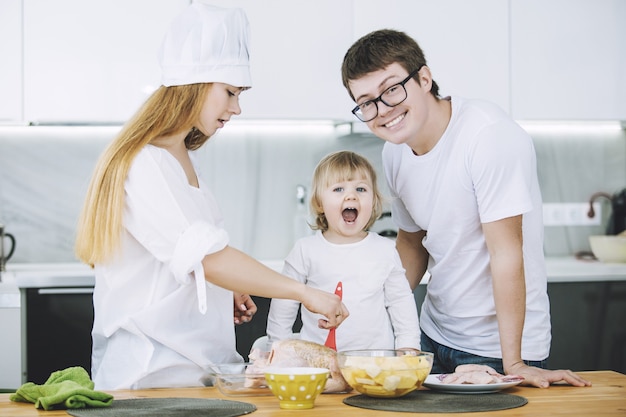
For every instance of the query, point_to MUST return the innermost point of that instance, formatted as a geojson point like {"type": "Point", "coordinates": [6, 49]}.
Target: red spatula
{"type": "Point", "coordinates": [330, 340]}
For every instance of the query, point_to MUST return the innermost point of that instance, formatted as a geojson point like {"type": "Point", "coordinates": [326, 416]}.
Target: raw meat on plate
{"type": "Point", "coordinates": [477, 374]}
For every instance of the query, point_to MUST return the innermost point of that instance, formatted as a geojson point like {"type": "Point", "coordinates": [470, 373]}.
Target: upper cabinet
{"type": "Point", "coordinates": [91, 61]}
{"type": "Point", "coordinates": [11, 61]}
{"type": "Point", "coordinates": [295, 56]}
{"type": "Point", "coordinates": [96, 61]}
{"type": "Point", "coordinates": [465, 42]}
{"type": "Point", "coordinates": [568, 59]}
{"type": "Point", "coordinates": [298, 48]}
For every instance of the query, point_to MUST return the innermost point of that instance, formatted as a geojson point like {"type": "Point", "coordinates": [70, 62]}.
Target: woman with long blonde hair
{"type": "Point", "coordinates": [166, 278]}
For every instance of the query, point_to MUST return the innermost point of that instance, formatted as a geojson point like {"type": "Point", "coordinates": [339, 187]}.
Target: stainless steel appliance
{"type": "Point", "coordinates": [384, 226]}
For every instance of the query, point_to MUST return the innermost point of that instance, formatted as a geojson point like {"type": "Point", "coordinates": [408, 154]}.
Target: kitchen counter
{"type": "Point", "coordinates": [559, 269]}
{"type": "Point", "coordinates": [607, 397]}
{"type": "Point", "coordinates": [38, 275]}
{"type": "Point", "coordinates": [570, 269]}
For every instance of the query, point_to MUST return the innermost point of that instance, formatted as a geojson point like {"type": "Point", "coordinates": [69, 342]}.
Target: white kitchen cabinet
{"type": "Point", "coordinates": [568, 59]}
{"type": "Point", "coordinates": [295, 54]}
{"type": "Point", "coordinates": [11, 66]}
{"type": "Point", "coordinates": [11, 331]}
{"type": "Point", "coordinates": [465, 42]}
{"type": "Point", "coordinates": [91, 61]}
{"type": "Point", "coordinates": [10, 348]}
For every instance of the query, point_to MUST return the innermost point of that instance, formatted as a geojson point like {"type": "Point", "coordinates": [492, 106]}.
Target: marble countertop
{"type": "Point", "coordinates": [38, 275]}
{"type": "Point", "coordinates": [570, 269]}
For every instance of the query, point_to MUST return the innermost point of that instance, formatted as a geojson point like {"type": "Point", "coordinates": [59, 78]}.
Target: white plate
{"type": "Point", "coordinates": [433, 382]}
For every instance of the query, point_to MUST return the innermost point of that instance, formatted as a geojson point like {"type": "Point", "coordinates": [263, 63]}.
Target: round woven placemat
{"type": "Point", "coordinates": [168, 407]}
{"type": "Point", "coordinates": [438, 402]}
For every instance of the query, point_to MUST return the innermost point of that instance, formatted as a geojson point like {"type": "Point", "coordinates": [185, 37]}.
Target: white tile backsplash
{"type": "Point", "coordinates": [44, 172]}
{"type": "Point", "coordinates": [572, 165]}
{"type": "Point", "coordinates": [254, 171]}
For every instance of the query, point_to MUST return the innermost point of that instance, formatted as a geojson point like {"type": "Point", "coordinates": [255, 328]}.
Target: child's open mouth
{"type": "Point", "coordinates": [350, 215]}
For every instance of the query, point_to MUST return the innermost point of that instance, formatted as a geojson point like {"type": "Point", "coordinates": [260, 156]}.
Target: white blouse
{"type": "Point", "coordinates": [383, 314]}
{"type": "Point", "coordinates": [158, 323]}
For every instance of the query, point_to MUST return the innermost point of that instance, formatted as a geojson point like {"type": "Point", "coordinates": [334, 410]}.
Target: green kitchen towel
{"type": "Point", "coordinates": [68, 388]}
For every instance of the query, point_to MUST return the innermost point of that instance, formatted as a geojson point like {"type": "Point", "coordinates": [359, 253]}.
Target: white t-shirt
{"type": "Point", "coordinates": [482, 169]}
{"type": "Point", "coordinates": [376, 292]}
{"type": "Point", "coordinates": [149, 329]}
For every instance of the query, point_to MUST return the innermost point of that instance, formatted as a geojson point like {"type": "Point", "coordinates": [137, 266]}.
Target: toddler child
{"type": "Point", "coordinates": [383, 314]}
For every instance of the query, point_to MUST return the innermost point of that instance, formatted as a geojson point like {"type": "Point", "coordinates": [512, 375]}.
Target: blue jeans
{"type": "Point", "coordinates": [447, 359]}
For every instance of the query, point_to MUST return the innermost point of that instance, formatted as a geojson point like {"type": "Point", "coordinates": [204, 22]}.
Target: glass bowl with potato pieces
{"type": "Point", "coordinates": [385, 373]}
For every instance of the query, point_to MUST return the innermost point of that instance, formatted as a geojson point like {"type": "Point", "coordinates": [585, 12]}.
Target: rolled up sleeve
{"type": "Point", "coordinates": [178, 224]}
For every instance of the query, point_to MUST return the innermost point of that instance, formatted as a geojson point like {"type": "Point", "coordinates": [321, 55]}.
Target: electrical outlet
{"type": "Point", "coordinates": [571, 214]}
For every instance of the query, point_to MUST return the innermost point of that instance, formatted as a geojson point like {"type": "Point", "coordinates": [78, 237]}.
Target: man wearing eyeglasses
{"type": "Point", "coordinates": [466, 199]}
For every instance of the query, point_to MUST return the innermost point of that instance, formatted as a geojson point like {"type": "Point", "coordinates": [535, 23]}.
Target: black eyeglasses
{"type": "Point", "coordinates": [391, 97]}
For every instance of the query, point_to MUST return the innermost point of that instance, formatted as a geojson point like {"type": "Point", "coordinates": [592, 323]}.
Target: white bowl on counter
{"type": "Point", "coordinates": [609, 248]}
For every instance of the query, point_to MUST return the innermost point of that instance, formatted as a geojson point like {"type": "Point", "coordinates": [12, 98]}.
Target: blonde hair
{"type": "Point", "coordinates": [342, 166]}
{"type": "Point", "coordinates": [168, 111]}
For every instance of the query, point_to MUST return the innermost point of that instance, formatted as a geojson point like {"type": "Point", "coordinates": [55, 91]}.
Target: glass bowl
{"type": "Point", "coordinates": [385, 373]}
{"type": "Point", "coordinates": [237, 379]}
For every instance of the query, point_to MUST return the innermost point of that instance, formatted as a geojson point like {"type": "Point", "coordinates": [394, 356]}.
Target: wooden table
{"type": "Point", "coordinates": [607, 397]}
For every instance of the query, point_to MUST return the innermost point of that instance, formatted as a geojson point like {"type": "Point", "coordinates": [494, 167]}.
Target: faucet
{"type": "Point", "coordinates": [617, 219]}
{"type": "Point", "coordinates": [592, 213]}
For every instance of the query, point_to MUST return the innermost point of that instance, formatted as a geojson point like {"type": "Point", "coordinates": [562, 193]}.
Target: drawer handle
{"type": "Point", "coordinates": [51, 291]}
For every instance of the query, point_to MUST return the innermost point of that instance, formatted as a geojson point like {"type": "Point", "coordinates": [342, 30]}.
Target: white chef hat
{"type": "Point", "coordinates": [206, 44]}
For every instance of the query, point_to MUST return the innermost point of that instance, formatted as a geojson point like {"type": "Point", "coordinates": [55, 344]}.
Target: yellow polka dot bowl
{"type": "Point", "coordinates": [296, 387]}
{"type": "Point", "coordinates": [385, 373]}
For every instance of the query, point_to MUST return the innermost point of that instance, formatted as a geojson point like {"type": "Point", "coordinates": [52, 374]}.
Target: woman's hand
{"type": "Point", "coordinates": [244, 308]}
{"type": "Point", "coordinates": [327, 304]}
